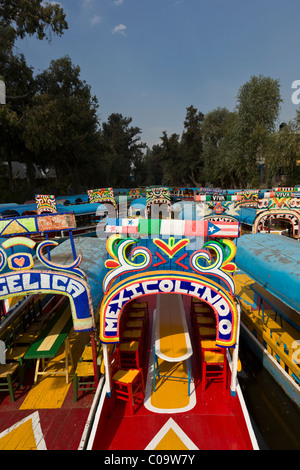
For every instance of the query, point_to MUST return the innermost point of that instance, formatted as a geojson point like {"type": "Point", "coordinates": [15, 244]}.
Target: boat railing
{"type": "Point", "coordinates": [278, 342]}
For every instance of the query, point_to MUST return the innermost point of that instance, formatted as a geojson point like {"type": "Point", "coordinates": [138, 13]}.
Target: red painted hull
{"type": "Point", "coordinates": [217, 421]}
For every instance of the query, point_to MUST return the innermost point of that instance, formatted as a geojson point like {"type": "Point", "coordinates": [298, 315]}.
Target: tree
{"type": "Point", "coordinates": [70, 140]}
{"type": "Point", "coordinates": [19, 18]}
{"type": "Point", "coordinates": [171, 159]}
{"type": "Point", "coordinates": [153, 172]}
{"type": "Point", "coordinates": [258, 110]}
{"type": "Point", "coordinates": [215, 129]}
{"type": "Point", "coordinates": [192, 168]}
{"type": "Point", "coordinates": [121, 148]}
{"type": "Point", "coordinates": [19, 83]}
{"type": "Point", "coordinates": [283, 155]}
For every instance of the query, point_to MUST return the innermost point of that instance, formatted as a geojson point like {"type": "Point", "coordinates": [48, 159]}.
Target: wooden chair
{"type": "Point", "coordinates": [140, 306]}
{"type": "Point", "coordinates": [204, 310]}
{"type": "Point", "coordinates": [199, 320]}
{"type": "Point", "coordinates": [130, 354]}
{"type": "Point", "coordinates": [16, 355]}
{"type": "Point", "coordinates": [214, 365]}
{"type": "Point", "coordinates": [207, 332]}
{"type": "Point", "coordinates": [138, 314]}
{"type": "Point", "coordinates": [127, 385]}
{"type": "Point", "coordinates": [132, 335]}
{"type": "Point", "coordinates": [84, 376]}
{"type": "Point", "coordinates": [7, 373]}
{"type": "Point", "coordinates": [136, 325]}
{"type": "Point", "coordinates": [8, 378]}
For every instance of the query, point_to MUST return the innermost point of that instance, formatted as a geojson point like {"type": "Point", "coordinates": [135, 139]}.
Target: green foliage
{"type": "Point", "coordinates": [231, 149]}
{"type": "Point", "coordinates": [19, 18]}
{"type": "Point", "coordinates": [51, 121]}
{"type": "Point", "coordinates": [67, 142]}
{"type": "Point", "coordinates": [121, 150]}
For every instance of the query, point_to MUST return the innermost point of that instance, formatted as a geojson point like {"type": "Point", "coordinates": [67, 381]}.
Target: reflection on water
{"type": "Point", "coordinates": [275, 418]}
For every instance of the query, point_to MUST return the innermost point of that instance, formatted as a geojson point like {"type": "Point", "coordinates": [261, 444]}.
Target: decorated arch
{"type": "Point", "coordinates": [167, 282]}
{"type": "Point", "coordinates": [205, 274]}
{"type": "Point", "coordinates": [68, 280]}
{"type": "Point", "coordinates": [290, 216]}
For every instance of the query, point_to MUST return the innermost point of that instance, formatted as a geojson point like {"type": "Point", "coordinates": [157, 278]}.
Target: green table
{"type": "Point", "coordinates": [48, 343]}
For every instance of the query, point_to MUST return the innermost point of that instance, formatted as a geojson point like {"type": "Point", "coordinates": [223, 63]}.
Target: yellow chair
{"type": "Point", "coordinates": [16, 355]}
{"type": "Point", "coordinates": [207, 332]}
{"type": "Point", "coordinates": [137, 314]}
{"type": "Point", "coordinates": [127, 385]}
{"type": "Point", "coordinates": [134, 324]}
{"type": "Point", "coordinates": [140, 306]}
{"type": "Point", "coordinates": [214, 366]}
{"type": "Point", "coordinates": [8, 378]}
{"type": "Point", "coordinates": [130, 354]}
{"type": "Point", "coordinates": [205, 321]}
{"type": "Point", "coordinates": [132, 335]}
{"type": "Point", "coordinates": [84, 376]}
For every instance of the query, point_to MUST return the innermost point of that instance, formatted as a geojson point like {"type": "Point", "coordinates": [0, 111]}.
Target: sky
{"type": "Point", "coordinates": [151, 59]}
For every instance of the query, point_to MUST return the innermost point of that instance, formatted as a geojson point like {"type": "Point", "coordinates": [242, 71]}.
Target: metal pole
{"type": "Point", "coordinates": [235, 355]}
{"type": "Point", "coordinates": [106, 367]}
{"type": "Point", "coordinates": [94, 352]}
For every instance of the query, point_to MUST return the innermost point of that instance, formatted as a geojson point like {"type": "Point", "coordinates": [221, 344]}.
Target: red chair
{"type": "Point", "coordinates": [214, 366]}
{"type": "Point", "coordinates": [205, 321]}
{"type": "Point", "coordinates": [140, 306]}
{"type": "Point", "coordinates": [127, 385]}
{"type": "Point", "coordinates": [137, 314]}
{"type": "Point", "coordinates": [130, 354]}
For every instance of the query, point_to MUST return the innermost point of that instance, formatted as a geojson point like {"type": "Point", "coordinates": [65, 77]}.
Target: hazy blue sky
{"type": "Point", "coordinates": [151, 59]}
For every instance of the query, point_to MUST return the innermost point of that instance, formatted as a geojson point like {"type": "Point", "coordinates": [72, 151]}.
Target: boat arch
{"type": "Point", "coordinates": [15, 284]}
{"type": "Point", "coordinates": [164, 282]}
{"type": "Point", "coordinates": [292, 217]}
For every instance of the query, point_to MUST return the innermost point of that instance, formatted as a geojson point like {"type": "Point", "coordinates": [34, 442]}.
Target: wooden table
{"type": "Point", "coordinates": [49, 342]}
{"type": "Point", "coordinates": [172, 339]}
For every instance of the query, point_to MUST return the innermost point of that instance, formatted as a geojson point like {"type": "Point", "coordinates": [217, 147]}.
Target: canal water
{"type": "Point", "coordinates": [275, 418]}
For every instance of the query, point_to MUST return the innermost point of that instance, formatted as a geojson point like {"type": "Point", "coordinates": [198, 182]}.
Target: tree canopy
{"type": "Point", "coordinates": [51, 121]}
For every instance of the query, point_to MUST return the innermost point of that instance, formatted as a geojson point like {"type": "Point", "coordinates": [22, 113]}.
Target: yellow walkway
{"type": "Point", "coordinates": [173, 349]}
{"type": "Point", "coordinates": [50, 392]}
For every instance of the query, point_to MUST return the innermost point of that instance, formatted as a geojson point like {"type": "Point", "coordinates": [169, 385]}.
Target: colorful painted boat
{"type": "Point", "coordinates": [103, 278]}
{"type": "Point", "coordinates": [172, 402]}
{"type": "Point", "coordinates": [268, 288]}
{"type": "Point", "coordinates": [44, 336]}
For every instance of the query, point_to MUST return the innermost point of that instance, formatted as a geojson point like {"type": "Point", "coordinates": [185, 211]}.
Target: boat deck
{"type": "Point", "coordinates": [44, 416]}
{"type": "Point", "coordinates": [209, 420]}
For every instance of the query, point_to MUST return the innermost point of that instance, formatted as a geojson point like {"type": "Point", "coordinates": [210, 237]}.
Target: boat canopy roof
{"type": "Point", "coordinates": [87, 208]}
{"type": "Point", "coordinates": [74, 199]}
{"type": "Point", "coordinates": [139, 202]}
{"type": "Point", "coordinates": [15, 210]}
{"type": "Point", "coordinates": [94, 254]}
{"type": "Point", "coordinates": [273, 261]}
{"type": "Point", "coordinates": [247, 215]}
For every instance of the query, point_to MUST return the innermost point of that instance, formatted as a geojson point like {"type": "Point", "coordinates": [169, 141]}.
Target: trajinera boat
{"type": "Point", "coordinates": [125, 341]}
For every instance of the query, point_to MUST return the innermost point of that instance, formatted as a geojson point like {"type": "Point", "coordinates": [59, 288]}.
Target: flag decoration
{"type": "Point", "coordinates": [179, 228]}
{"type": "Point", "coordinates": [195, 228]}
{"type": "Point", "coordinates": [223, 229]}
{"type": "Point", "coordinates": [122, 226]}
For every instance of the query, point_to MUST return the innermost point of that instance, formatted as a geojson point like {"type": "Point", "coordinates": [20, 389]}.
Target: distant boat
{"type": "Point", "coordinates": [268, 288]}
